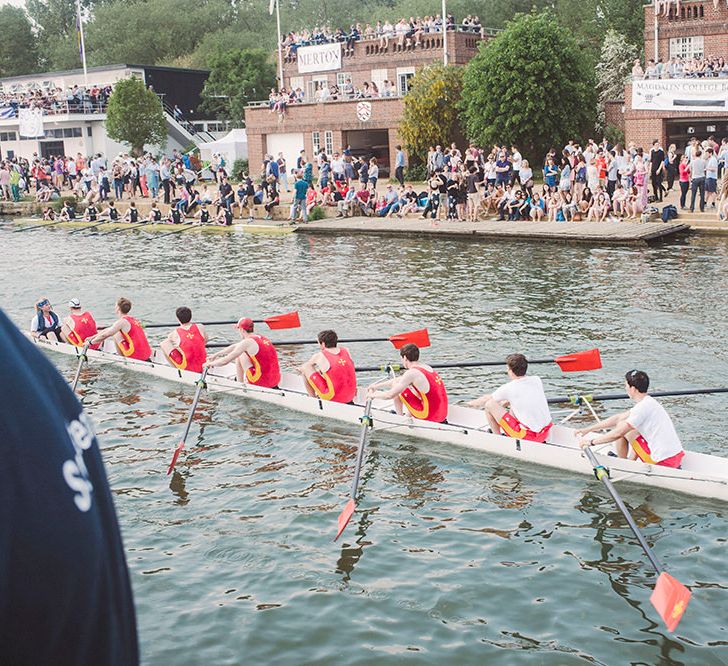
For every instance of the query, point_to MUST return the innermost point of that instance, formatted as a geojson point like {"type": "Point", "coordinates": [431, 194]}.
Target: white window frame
{"type": "Point", "coordinates": [316, 141]}
{"type": "Point", "coordinates": [311, 87]}
{"type": "Point", "coordinates": [341, 78]}
{"type": "Point", "coordinates": [403, 72]}
{"type": "Point", "coordinates": [687, 48]}
{"type": "Point", "coordinates": [379, 76]}
{"type": "Point", "coordinates": [329, 142]}
{"type": "Point", "coordinates": [298, 82]}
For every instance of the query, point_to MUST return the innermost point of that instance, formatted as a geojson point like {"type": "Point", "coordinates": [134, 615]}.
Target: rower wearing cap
{"type": "Point", "coordinates": [185, 346]}
{"type": "Point", "coordinates": [256, 359]}
{"type": "Point", "coordinates": [529, 416]}
{"type": "Point", "coordinates": [45, 323]}
{"type": "Point", "coordinates": [419, 389]}
{"type": "Point", "coordinates": [79, 325]}
{"type": "Point", "coordinates": [128, 334]}
{"type": "Point", "coordinates": [330, 373]}
{"type": "Point", "coordinates": [646, 431]}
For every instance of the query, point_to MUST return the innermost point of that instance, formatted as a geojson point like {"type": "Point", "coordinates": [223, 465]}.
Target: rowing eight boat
{"type": "Point", "coordinates": [272, 228]}
{"type": "Point", "coordinates": [701, 475]}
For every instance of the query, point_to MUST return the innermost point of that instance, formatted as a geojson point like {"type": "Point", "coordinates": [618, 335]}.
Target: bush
{"type": "Point", "coordinates": [60, 203]}
{"type": "Point", "coordinates": [613, 134]}
{"type": "Point", "coordinates": [239, 168]}
{"type": "Point", "coordinates": [317, 213]}
{"type": "Point", "coordinates": [416, 173]}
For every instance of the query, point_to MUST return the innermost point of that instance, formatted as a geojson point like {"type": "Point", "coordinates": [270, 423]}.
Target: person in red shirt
{"type": "Point", "coordinates": [419, 389]}
{"type": "Point", "coordinates": [185, 346]}
{"type": "Point", "coordinates": [128, 334]}
{"type": "Point", "coordinates": [79, 325]}
{"type": "Point", "coordinates": [255, 357]}
{"type": "Point", "coordinates": [330, 373]}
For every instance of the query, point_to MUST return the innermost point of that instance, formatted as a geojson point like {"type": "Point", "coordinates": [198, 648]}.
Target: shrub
{"type": "Point", "coordinates": [416, 173]}
{"type": "Point", "coordinates": [240, 167]}
{"type": "Point", "coordinates": [317, 213]}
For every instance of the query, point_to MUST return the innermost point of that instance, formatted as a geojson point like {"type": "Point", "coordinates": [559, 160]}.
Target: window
{"type": "Point", "coordinates": [316, 141]}
{"type": "Point", "coordinates": [70, 132]}
{"type": "Point", "coordinates": [53, 133]}
{"type": "Point", "coordinates": [313, 84]}
{"type": "Point", "coordinates": [8, 136]}
{"type": "Point", "coordinates": [88, 131]}
{"type": "Point", "coordinates": [329, 142]}
{"type": "Point", "coordinates": [297, 82]}
{"type": "Point", "coordinates": [342, 77]}
{"type": "Point", "coordinates": [404, 74]}
{"type": "Point", "coordinates": [379, 76]}
{"type": "Point", "coordinates": [687, 47]}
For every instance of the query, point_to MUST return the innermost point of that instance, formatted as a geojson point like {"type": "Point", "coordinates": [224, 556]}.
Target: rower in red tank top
{"type": "Point", "coordinates": [419, 389]}
{"type": "Point", "coordinates": [255, 357]}
{"type": "Point", "coordinates": [185, 347]}
{"type": "Point", "coordinates": [79, 325]}
{"type": "Point", "coordinates": [330, 373]}
{"type": "Point", "coordinates": [128, 334]}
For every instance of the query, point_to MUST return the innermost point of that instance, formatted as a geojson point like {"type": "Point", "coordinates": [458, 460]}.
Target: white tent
{"type": "Point", "coordinates": [233, 146]}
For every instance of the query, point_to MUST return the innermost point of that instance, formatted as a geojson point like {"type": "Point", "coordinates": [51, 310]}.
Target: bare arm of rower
{"type": "Point", "coordinates": [397, 386]}
{"type": "Point", "coordinates": [611, 422]}
{"type": "Point", "coordinates": [108, 332]}
{"type": "Point", "coordinates": [318, 360]}
{"type": "Point", "coordinates": [224, 356]}
{"type": "Point", "coordinates": [479, 403]}
{"type": "Point", "coordinates": [612, 436]}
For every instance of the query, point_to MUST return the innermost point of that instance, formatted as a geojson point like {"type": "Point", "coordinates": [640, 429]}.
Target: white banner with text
{"type": "Point", "coordinates": [680, 95]}
{"type": "Point", "coordinates": [319, 58]}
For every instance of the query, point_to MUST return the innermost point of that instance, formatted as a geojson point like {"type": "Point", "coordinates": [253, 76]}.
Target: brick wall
{"type": "Point", "coordinates": [614, 113]}
{"type": "Point", "coordinates": [695, 19]}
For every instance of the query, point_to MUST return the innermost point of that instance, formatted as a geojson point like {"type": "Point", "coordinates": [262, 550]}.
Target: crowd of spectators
{"type": "Point", "coordinates": [76, 99]}
{"type": "Point", "coordinates": [679, 68]}
{"type": "Point", "coordinates": [403, 34]}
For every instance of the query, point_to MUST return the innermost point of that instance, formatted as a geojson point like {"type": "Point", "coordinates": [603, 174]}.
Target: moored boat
{"type": "Point", "coordinates": [701, 475]}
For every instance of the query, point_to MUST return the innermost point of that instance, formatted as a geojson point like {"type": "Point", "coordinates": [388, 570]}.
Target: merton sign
{"type": "Point", "coordinates": [680, 95]}
{"type": "Point", "coordinates": [319, 58]}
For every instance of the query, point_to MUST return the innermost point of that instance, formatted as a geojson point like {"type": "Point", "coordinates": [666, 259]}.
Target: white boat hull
{"type": "Point", "coordinates": [702, 475]}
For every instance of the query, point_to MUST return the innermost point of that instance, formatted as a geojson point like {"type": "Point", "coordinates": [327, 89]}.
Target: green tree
{"type": "Point", "coordinates": [431, 109]}
{"type": "Point", "coordinates": [529, 86]}
{"type": "Point", "coordinates": [135, 116]}
{"type": "Point", "coordinates": [18, 47]}
{"type": "Point", "coordinates": [627, 17]}
{"type": "Point", "coordinates": [613, 69]}
{"type": "Point", "coordinates": [236, 78]}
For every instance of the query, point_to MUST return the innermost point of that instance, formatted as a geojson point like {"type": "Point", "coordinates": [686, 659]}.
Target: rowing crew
{"type": "Point", "coordinates": [517, 409]}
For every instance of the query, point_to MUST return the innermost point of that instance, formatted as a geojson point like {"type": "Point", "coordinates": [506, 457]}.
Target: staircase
{"type": "Point", "coordinates": [182, 130]}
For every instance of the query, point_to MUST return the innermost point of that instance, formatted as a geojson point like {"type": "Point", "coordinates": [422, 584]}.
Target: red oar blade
{"type": "Point", "coordinates": [175, 455]}
{"type": "Point", "coordinates": [670, 599]}
{"type": "Point", "coordinates": [288, 320]}
{"type": "Point", "coordinates": [419, 338]}
{"type": "Point", "coordinates": [345, 517]}
{"type": "Point", "coordinates": [586, 360]}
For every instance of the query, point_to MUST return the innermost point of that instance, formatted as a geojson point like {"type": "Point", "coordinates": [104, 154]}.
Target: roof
{"type": "Point", "coordinates": [101, 68]}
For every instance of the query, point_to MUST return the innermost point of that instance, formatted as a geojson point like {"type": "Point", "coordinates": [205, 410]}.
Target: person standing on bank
{"type": "Point", "coordinates": [657, 169]}
{"type": "Point", "coordinates": [399, 164]}
{"type": "Point", "coordinates": [66, 594]}
{"type": "Point", "coordinates": [697, 180]}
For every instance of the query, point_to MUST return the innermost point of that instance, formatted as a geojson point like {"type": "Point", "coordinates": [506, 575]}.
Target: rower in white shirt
{"type": "Point", "coordinates": [646, 431]}
{"type": "Point", "coordinates": [529, 416]}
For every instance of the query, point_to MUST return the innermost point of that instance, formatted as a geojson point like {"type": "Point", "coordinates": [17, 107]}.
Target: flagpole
{"type": "Point", "coordinates": [280, 46]}
{"type": "Point", "coordinates": [444, 33]}
{"type": "Point", "coordinates": [82, 45]}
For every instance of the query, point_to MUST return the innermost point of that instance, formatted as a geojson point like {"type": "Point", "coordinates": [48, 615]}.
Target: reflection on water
{"type": "Point", "coordinates": [451, 554]}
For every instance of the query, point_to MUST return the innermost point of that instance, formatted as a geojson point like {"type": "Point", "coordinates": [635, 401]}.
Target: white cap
{"type": "Point", "coordinates": [74, 303]}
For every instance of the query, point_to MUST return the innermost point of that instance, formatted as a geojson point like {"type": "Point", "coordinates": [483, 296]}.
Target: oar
{"type": "Point", "coordinates": [81, 360]}
{"type": "Point", "coordinates": [287, 320]}
{"type": "Point", "coordinates": [131, 226]}
{"type": "Point", "coordinates": [346, 514]}
{"type": "Point", "coordinates": [578, 399]}
{"type": "Point", "coordinates": [38, 226]}
{"type": "Point", "coordinates": [186, 227]}
{"type": "Point", "coordinates": [91, 226]}
{"type": "Point", "coordinates": [578, 362]}
{"type": "Point", "coordinates": [420, 338]}
{"type": "Point", "coordinates": [670, 597]}
{"type": "Point", "coordinates": [200, 385]}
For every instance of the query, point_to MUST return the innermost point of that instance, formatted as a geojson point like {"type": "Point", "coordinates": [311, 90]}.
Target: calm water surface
{"type": "Point", "coordinates": [452, 555]}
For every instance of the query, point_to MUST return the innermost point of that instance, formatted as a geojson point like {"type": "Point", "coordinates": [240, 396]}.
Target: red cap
{"type": "Point", "coordinates": [246, 323]}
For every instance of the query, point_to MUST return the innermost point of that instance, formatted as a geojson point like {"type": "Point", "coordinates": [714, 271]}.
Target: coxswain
{"type": "Point", "coordinates": [91, 213]}
{"type": "Point", "coordinates": [155, 215]}
{"type": "Point", "coordinates": [528, 415]}
{"type": "Point", "coordinates": [256, 359]}
{"type": "Point", "coordinates": [49, 214]}
{"type": "Point", "coordinates": [128, 334]}
{"type": "Point", "coordinates": [185, 346]}
{"type": "Point", "coordinates": [79, 325]}
{"type": "Point", "coordinates": [224, 217]}
{"type": "Point", "coordinates": [67, 213]}
{"type": "Point", "coordinates": [330, 372]}
{"type": "Point", "coordinates": [419, 388]}
{"type": "Point", "coordinates": [646, 431]}
{"type": "Point", "coordinates": [203, 215]}
{"type": "Point", "coordinates": [132, 214]}
{"type": "Point", "coordinates": [45, 323]}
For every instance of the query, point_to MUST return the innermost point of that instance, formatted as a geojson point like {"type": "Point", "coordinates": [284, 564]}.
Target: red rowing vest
{"type": "Point", "coordinates": [191, 352]}
{"type": "Point", "coordinates": [84, 326]}
{"type": "Point", "coordinates": [265, 370]}
{"type": "Point", "coordinates": [339, 381]}
{"type": "Point", "coordinates": [430, 406]}
{"type": "Point", "coordinates": [134, 343]}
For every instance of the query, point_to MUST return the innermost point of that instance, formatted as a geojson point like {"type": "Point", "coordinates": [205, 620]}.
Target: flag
{"type": "Point", "coordinates": [670, 599]}
{"type": "Point", "coordinates": [272, 6]}
{"type": "Point", "coordinates": [7, 112]}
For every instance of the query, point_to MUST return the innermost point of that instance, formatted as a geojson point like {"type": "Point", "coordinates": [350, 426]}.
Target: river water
{"type": "Point", "coordinates": [452, 555]}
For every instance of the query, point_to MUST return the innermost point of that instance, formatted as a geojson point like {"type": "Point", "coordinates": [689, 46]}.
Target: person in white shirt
{"type": "Point", "coordinates": [529, 416]}
{"type": "Point", "coordinates": [516, 159]}
{"type": "Point", "coordinates": [646, 431]}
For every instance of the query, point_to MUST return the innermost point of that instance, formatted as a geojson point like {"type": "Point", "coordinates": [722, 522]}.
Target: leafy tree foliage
{"type": "Point", "coordinates": [236, 78]}
{"type": "Point", "coordinates": [530, 86]}
{"type": "Point", "coordinates": [431, 109]}
{"type": "Point", "coordinates": [18, 52]}
{"type": "Point", "coordinates": [135, 116]}
{"type": "Point", "coordinates": [613, 69]}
